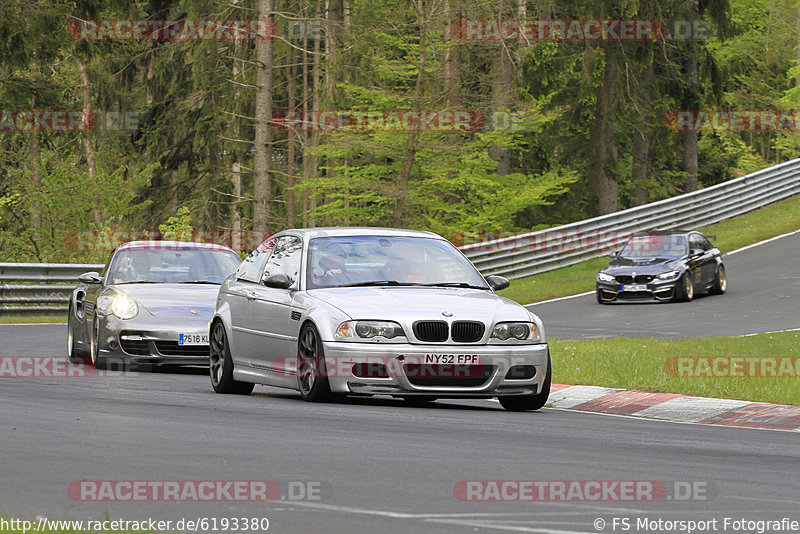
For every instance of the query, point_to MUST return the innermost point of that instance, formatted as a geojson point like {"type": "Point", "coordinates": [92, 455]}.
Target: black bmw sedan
{"type": "Point", "coordinates": [662, 265]}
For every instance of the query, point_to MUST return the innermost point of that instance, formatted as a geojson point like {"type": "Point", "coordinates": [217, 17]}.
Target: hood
{"type": "Point", "coordinates": [173, 300]}
{"type": "Point", "coordinates": [647, 266]}
{"type": "Point", "coordinates": [413, 303]}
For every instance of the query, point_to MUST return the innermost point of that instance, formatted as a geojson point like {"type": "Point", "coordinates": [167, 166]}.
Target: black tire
{"type": "Point", "coordinates": [220, 364]}
{"type": "Point", "coordinates": [312, 375]}
{"type": "Point", "coordinates": [720, 282]}
{"type": "Point", "coordinates": [524, 403]}
{"type": "Point", "coordinates": [95, 359]}
{"type": "Point", "coordinates": [73, 354]}
{"type": "Point", "coordinates": [684, 291]}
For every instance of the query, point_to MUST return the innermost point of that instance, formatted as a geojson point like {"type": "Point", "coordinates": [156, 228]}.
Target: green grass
{"type": "Point", "coordinates": [11, 319]}
{"type": "Point", "coordinates": [639, 363]}
{"type": "Point", "coordinates": [770, 221]}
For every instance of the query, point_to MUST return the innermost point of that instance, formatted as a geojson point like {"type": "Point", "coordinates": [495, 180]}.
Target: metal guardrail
{"type": "Point", "coordinates": [44, 288]}
{"type": "Point", "coordinates": [39, 288]}
{"type": "Point", "coordinates": [544, 250]}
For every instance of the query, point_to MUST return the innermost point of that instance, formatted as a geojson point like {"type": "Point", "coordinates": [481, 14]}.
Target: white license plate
{"type": "Point", "coordinates": [461, 359]}
{"type": "Point", "coordinates": [192, 339]}
{"type": "Point", "coordinates": [635, 287]}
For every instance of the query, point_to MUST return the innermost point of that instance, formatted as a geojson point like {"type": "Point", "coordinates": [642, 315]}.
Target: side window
{"type": "Point", "coordinates": [285, 258]}
{"type": "Point", "coordinates": [696, 241]}
{"type": "Point", "coordinates": [251, 267]}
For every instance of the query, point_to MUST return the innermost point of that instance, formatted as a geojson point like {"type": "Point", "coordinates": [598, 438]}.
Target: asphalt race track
{"type": "Point", "coordinates": [375, 464]}
{"type": "Point", "coordinates": [762, 296]}
{"type": "Point", "coordinates": [378, 465]}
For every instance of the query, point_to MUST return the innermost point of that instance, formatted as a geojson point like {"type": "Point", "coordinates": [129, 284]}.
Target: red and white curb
{"type": "Point", "coordinates": [674, 407]}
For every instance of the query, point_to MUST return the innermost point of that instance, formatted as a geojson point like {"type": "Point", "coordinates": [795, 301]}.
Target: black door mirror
{"type": "Point", "coordinates": [695, 252]}
{"type": "Point", "coordinates": [498, 283]}
{"type": "Point", "coordinates": [92, 277]}
{"type": "Point", "coordinates": [613, 255]}
{"type": "Point", "coordinates": [278, 281]}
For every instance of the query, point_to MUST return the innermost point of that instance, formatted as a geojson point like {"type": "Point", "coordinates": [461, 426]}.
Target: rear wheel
{"type": "Point", "coordinates": [220, 364]}
{"type": "Point", "coordinates": [522, 403]}
{"type": "Point", "coordinates": [74, 354]}
{"type": "Point", "coordinates": [312, 375]}
{"type": "Point", "coordinates": [720, 282]}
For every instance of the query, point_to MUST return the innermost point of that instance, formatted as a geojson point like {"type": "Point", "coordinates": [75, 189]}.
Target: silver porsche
{"type": "Point", "coordinates": [369, 311]}
{"type": "Point", "coordinates": [152, 304]}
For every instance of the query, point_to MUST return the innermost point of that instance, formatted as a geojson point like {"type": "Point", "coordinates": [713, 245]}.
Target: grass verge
{"type": "Point", "coordinates": [11, 319]}
{"type": "Point", "coordinates": [770, 221]}
{"type": "Point", "coordinates": [642, 363]}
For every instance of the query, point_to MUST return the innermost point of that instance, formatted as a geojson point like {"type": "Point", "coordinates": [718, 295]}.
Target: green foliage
{"type": "Point", "coordinates": [179, 227]}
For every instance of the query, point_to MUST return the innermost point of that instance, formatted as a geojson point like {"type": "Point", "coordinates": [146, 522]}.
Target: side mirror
{"type": "Point", "coordinates": [278, 281]}
{"type": "Point", "coordinates": [498, 283]}
{"type": "Point", "coordinates": [92, 277]}
{"type": "Point", "coordinates": [695, 252]}
{"type": "Point", "coordinates": [613, 255]}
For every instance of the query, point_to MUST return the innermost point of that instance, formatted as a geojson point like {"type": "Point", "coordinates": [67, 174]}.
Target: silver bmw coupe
{"type": "Point", "coordinates": [370, 311]}
{"type": "Point", "coordinates": [151, 304]}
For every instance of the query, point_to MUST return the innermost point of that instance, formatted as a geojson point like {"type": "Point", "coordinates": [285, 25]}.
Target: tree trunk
{"type": "Point", "coordinates": [452, 58]}
{"type": "Point", "coordinates": [409, 152]}
{"type": "Point", "coordinates": [503, 77]}
{"type": "Point", "coordinates": [262, 167]}
{"type": "Point", "coordinates": [602, 151]}
{"type": "Point", "coordinates": [690, 138]}
{"type": "Point", "coordinates": [88, 149]}
{"type": "Point", "coordinates": [291, 141]}
{"type": "Point", "coordinates": [641, 143]}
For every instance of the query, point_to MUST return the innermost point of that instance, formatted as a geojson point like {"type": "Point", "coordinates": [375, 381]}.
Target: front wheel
{"type": "Point", "coordinates": [220, 365]}
{"type": "Point", "coordinates": [312, 375]}
{"type": "Point", "coordinates": [720, 282]}
{"type": "Point", "coordinates": [684, 291]}
{"type": "Point", "coordinates": [97, 361]}
{"type": "Point", "coordinates": [522, 403]}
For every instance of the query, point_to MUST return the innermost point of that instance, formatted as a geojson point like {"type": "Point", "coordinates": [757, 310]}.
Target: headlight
{"type": "Point", "coordinates": [370, 330]}
{"type": "Point", "coordinates": [514, 333]}
{"type": "Point", "coordinates": [603, 277]}
{"type": "Point", "coordinates": [668, 276]}
{"type": "Point", "coordinates": [124, 307]}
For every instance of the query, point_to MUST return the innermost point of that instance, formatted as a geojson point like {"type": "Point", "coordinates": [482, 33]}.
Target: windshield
{"type": "Point", "coordinates": [655, 246]}
{"type": "Point", "coordinates": [157, 265]}
{"type": "Point", "coordinates": [387, 260]}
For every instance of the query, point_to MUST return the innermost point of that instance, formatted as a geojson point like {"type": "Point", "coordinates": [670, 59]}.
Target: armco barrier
{"type": "Point", "coordinates": [44, 288]}
{"type": "Point", "coordinates": [38, 288]}
{"type": "Point", "coordinates": [536, 252]}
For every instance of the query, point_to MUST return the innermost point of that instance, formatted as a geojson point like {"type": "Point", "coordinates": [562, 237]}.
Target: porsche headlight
{"type": "Point", "coordinates": [376, 331]}
{"type": "Point", "coordinates": [668, 276]}
{"type": "Point", "coordinates": [124, 306]}
{"type": "Point", "coordinates": [603, 277]}
{"type": "Point", "coordinates": [515, 333]}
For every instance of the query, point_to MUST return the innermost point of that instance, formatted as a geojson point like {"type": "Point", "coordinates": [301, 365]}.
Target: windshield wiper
{"type": "Point", "coordinates": [379, 283]}
{"type": "Point", "coordinates": [455, 284]}
{"type": "Point", "coordinates": [201, 282]}
{"type": "Point", "coordinates": [139, 282]}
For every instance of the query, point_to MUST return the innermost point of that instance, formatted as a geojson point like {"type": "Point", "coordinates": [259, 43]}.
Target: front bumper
{"type": "Point", "coordinates": [658, 290]}
{"type": "Point", "coordinates": [148, 341]}
{"type": "Point", "coordinates": [402, 369]}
